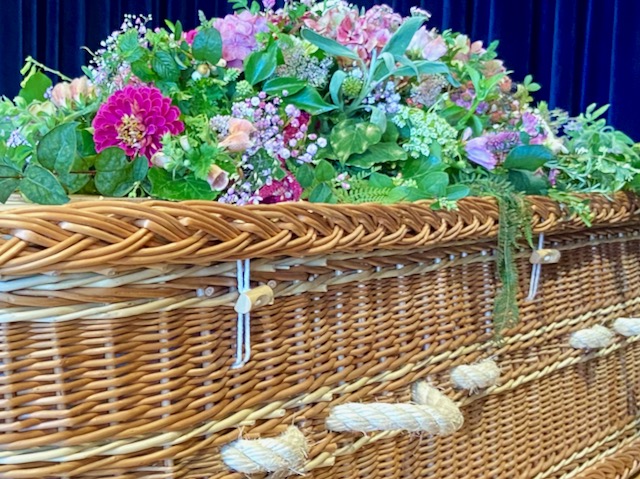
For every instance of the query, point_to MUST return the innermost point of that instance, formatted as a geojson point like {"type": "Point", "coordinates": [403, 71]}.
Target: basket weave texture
{"type": "Point", "coordinates": [119, 329]}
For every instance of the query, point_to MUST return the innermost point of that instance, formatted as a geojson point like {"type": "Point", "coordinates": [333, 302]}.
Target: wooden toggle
{"type": "Point", "coordinates": [545, 256]}
{"type": "Point", "coordinates": [253, 299]}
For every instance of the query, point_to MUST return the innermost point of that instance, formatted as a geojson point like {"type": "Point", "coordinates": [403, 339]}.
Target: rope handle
{"type": "Point", "coordinates": [433, 413]}
{"type": "Point", "coordinates": [283, 455]}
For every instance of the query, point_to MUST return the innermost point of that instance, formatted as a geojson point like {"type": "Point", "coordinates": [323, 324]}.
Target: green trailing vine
{"type": "Point", "coordinates": [513, 227]}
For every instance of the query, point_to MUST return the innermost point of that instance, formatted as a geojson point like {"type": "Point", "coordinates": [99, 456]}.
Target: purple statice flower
{"type": "Point", "coordinates": [492, 148]}
{"type": "Point", "coordinates": [534, 126]}
{"type": "Point", "coordinates": [16, 139]}
{"type": "Point", "coordinates": [503, 142]}
{"type": "Point", "coordinates": [553, 176]}
{"type": "Point", "coordinates": [385, 97]}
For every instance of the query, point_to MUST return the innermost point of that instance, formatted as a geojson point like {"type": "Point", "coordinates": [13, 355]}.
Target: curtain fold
{"type": "Point", "coordinates": [580, 51]}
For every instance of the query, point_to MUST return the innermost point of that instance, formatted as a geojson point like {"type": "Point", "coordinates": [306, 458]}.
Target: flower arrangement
{"type": "Point", "coordinates": [316, 101]}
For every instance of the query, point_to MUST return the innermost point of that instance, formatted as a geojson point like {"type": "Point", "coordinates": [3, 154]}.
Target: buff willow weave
{"type": "Point", "coordinates": [119, 333]}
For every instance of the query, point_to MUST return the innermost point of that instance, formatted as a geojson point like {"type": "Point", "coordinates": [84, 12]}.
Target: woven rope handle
{"type": "Point", "coordinates": [434, 413]}
{"type": "Point", "coordinates": [596, 337]}
{"type": "Point", "coordinates": [627, 326]}
{"type": "Point", "coordinates": [282, 455]}
{"type": "Point", "coordinates": [474, 377]}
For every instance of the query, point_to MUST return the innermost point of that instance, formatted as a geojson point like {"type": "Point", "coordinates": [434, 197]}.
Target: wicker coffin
{"type": "Point", "coordinates": [119, 332]}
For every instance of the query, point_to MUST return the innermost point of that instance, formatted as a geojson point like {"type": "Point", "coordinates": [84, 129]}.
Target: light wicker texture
{"type": "Point", "coordinates": [118, 329]}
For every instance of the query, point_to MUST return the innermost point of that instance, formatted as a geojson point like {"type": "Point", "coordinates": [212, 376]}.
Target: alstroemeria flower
{"type": "Point", "coordinates": [217, 178]}
{"type": "Point", "coordinates": [478, 152]}
{"type": "Point", "coordinates": [239, 137]}
{"type": "Point", "coordinates": [428, 45]}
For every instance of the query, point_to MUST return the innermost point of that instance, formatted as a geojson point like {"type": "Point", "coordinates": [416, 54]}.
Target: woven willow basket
{"type": "Point", "coordinates": [119, 333]}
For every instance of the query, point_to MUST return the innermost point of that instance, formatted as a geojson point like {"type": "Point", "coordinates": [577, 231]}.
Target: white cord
{"type": "Point", "coordinates": [535, 273]}
{"type": "Point", "coordinates": [243, 339]}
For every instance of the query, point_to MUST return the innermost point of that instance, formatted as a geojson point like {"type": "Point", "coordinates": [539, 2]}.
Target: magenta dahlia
{"type": "Point", "coordinates": [135, 119]}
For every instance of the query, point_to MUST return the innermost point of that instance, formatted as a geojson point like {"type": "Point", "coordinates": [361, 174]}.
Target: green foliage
{"type": "Point", "coordinates": [600, 159]}
{"type": "Point", "coordinates": [528, 157]}
{"type": "Point", "coordinates": [207, 46]}
{"type": "Point", "coordinates": [309, 99]}
{"type": "Point", "coordinates": [35, 87]}
{"type": "Point", "coordinates": [116, 175]}
{"type": "Point", "coordinates": [164, 185]}
{"type": "Point", "coordinates": [513, 227]}
{"type": "Point", "coordinates": [353, 137]}
{"type": "Point", "coordinates": [259, 66]}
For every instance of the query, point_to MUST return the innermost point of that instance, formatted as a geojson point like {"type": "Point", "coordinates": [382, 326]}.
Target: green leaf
{"type": "Point", "coordinates": [305, 175]}
{"type": "Point", "coordinates": [378, 154]}
{"type": "Point", "coordinates": [207, 46]}
{"type": "Point", "coordinates": [85, 144]}
{"type": "Point", "coordinates": [177, 31]}
{"type": "Point", "coordinates": [165, 66]}
{"type": "Point", "coordinates": [74, 182]}
{"type": "Point", "coordinates": [379, 118]}
{"type": "Point", "coordinates": [129, 45]}
{"type": "Point", "coordinates": [325, 171]}
{"type": "Point", "coordinates": [322, 194]}
{"type": "Point", "coordinates": [8, 168]}
{"type": "Point", "coordinates": [434, 184]}
{"type": "Point", "coordinates": [378, 180]}
{"type": "Point", "coordinates": [164, 186]}
{"type": "Point", "coordinates": [259, 66]}
{"type": "Point", "coordinates": [36, 87]}
{"type": "Point", "coordinates": [352, 137]}
{"type": "Point", "coordinates": [476, 125]}
{"type": "Point", "coordinates": [276, 86]}
{"type": "Point", "coordinates": [336, 85]}
{"type": "Point", "coordinates": [58, 149]}
{"type": "Point", "coordinates": [528, 157]}
{"type": "Point", "coordinates": [328, 45]}
{"type": "Point", "coordinates": [142, 70]}
{"type": "Point", "coordinates": [416, 168]}
{"type": "Point", "coordinates": [456, 192]}
{"type": "Point", "coordinates": [399, 42]}
{"type": "Point", "coordinates": [40, 186]}
{"type": "Point", "coordinates": [529, 183]}
{"type": "Point", "coordinates": [115, 174]}
{"type": "Point", "coordinates": [391, 134]}
{"type": "Point", "coordinates": [309, 100]}
{"type": "Point", "coordinates": [7, 188]}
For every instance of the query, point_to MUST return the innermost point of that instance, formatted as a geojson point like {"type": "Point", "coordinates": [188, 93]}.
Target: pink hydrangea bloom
{"type": "Point", "coordinates": [238, 33]}
{"type": "Point", "coordinates": [135, 119]}
{"type": "Point", "coordinates": [362, 33]}
{"type": "Point", "coordinates": [287, 189]}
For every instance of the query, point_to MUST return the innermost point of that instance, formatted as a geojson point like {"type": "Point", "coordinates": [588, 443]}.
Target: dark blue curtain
{"type": "Point", "coordinates": [581, 51]}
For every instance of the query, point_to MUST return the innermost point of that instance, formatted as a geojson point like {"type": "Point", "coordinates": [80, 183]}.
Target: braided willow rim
{"type": "Point", "coordinates": [90, 235]}
{"type": "Point", "coordinates": [118, 334]}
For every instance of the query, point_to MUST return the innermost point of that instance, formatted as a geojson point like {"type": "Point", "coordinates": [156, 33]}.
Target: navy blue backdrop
{"type": "Point", "coordinates": [581, 51]}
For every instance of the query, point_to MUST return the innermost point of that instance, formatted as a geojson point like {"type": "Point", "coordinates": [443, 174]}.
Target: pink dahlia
{"type": "Point", "coordinates": [238, 32]}
{"type": "Point", "coordinates": [135, 119]}
{"type": "Point", "coordinates": [287, 189]}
